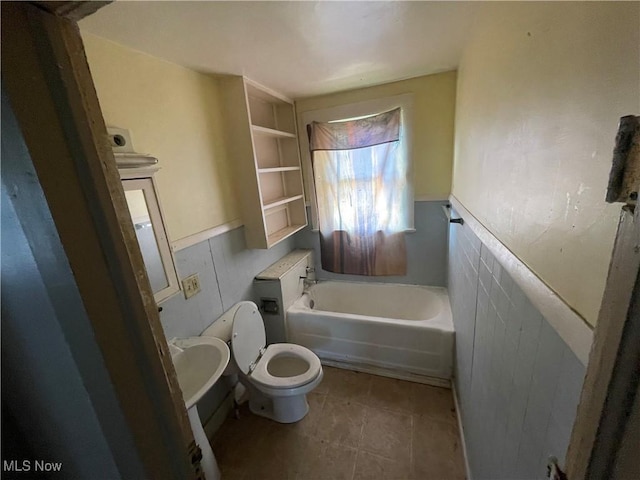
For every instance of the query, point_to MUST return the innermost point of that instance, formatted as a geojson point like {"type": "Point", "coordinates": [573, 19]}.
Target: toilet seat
{"type": "Point", "coordinates": [252, 356]}
{"type": "Point", "coordinates": [261, 376]}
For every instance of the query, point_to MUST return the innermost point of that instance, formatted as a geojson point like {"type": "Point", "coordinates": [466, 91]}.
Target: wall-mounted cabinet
{"type": "Point", "coordinates": [263, 144]}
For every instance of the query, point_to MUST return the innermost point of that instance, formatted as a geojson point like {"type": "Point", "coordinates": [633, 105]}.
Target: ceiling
{"type": "Point", "coordinates": [298, 48]}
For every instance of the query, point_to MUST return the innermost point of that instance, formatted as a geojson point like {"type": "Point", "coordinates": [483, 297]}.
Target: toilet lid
{"type": "Point", "coordinates": [247, 336]}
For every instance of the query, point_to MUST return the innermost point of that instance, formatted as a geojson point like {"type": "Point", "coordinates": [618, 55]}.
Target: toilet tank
{"type": "Point", "coordinates": [281, 283]}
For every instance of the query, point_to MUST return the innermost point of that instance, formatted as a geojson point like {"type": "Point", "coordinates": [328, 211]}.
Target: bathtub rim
{"type": "Point", "coordinates": [443, 320]}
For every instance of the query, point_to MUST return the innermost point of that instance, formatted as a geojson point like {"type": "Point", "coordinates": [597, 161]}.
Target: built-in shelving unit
{"type": "Point", "coordinates": [263, 143]}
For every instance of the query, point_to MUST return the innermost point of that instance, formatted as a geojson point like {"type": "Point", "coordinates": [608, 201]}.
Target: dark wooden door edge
{"type": "Point", "coordinates": [47, 79]}
{"type": "Point", "coordinates": [74, 11]}
{"type": "Point", "coordinates": [608, 338]}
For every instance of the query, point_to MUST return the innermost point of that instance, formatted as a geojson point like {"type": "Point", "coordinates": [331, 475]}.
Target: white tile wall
{"type": "Point", "coordinates": [518, 382]}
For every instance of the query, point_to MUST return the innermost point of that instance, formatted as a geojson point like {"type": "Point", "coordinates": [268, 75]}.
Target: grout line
{"type": "Point", "coordinates": [215, 271]}
{"type": "Point", "coordinates": [413, 431]}
{"type": "Point", "coordinates": [364, 422]}
{"type": "Point", "coordinates": [355, 463]}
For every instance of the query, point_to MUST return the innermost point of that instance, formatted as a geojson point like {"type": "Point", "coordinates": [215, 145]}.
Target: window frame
{"type": "Point", "coordinates": [353, 110]}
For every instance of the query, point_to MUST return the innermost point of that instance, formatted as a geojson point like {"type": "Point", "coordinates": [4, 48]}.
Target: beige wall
{"type": "Point", "coordinates": [174, 114]}
{"type": "Point", "coordinates": [433, 114]}
{"type": "Point", "coordinates": [541, 87]}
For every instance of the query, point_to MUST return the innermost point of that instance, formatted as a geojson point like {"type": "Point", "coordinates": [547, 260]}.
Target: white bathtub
{"type": "Point", "coordinates": [403, 330]}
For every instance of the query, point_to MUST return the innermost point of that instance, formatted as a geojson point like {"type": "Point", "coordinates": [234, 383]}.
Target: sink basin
{"type": "Point", "coordinates": [199, 363]}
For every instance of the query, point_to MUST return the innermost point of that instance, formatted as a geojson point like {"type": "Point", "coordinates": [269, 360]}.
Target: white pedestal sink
{"type": "Point", "coordinates": [199, 363]}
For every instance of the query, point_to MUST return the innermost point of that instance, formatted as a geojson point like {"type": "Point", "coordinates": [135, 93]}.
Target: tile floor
{"type": "Point", "coordinates": [359, 426]}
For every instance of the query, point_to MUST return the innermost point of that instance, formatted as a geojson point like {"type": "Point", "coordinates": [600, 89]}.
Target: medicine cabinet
{"type": "Point", "coordinates": [142, 200]}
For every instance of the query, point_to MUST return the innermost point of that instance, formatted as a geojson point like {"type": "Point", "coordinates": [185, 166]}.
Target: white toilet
{"type": "Point", "coordinates": [277, 376]}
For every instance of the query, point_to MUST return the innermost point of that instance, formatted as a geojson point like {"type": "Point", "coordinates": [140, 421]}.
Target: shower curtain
{"type": "Point", "coordinates": [360, 177]}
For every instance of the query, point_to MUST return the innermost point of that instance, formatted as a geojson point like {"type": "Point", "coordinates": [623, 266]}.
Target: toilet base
{"type": "Point", "coordinates": [280, 409]}
{"type": "Point", "coordinates": [282, 406]}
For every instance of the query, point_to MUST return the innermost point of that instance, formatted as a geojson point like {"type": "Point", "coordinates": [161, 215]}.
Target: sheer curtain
{"type": "Point", "coordinates": [360, 176]}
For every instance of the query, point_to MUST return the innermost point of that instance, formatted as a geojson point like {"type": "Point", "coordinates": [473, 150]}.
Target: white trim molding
{"type": "Point", "coordinates": [205, 235]}
{"type": "Point", "coordinates": [571, 327]}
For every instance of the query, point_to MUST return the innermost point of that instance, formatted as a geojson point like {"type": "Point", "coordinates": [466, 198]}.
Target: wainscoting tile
{"type": "Point", "coordinates": [529, 335]}
{"type": "Point", "coordinates": [236, 266]}
{"type": "Point", "coordinates": [497, 272]}
{"type": "Point", "coordinates": [544, 381]}
{"type": "Point", "coordinates": [485, 276]}
{"type": "Point", "coordinates": [488, 258]}
{"type": "Point", "coordinates": [567, 396]}
{"type": "Point", "coordinates": [185, 318]}
{"type": "Point", "coordinates": [556, 441]}
{"type": "Point", "coordinates": [509, 357]}
{"type": "Point", "coordinates": [528, 463]}
{"type": "Point", "coordinates": [494, 293]}
{"type": "Point", "coordinates": [509, 462]}
{"type": "Point", "coordinates": [513, 323]}
{"type": "Point", "coordinates": [519, 400]}
{"type": "Point", "coordinates": [503, 303]}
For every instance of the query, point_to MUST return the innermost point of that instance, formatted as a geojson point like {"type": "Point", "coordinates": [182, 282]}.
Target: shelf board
{"type": "Point", "coordinates": [254, 89]}
{"type": "Point", "coordinates": [280, 201]}
{"type": "Point", "coordinates": [278, 169]}
{"type": "Point", "coordinates": [275, 237]}
{"type": "Point", "coordinates": [257, 129]}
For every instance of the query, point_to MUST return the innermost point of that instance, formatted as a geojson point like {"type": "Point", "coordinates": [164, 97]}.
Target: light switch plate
{"type": "Point", "coordinates": [191, 285]}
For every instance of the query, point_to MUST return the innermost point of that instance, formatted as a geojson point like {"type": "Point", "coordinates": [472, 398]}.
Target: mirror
{"type": "Point", "coordinates": [151, 234]}
{"type": "Point", "coordinates": [146, 239]}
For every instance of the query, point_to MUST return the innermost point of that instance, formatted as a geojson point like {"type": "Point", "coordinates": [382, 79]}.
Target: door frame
{"type": "Point", "coordinates": [49, 86]}
{"type": "Point", "coordinates": [613, 372]}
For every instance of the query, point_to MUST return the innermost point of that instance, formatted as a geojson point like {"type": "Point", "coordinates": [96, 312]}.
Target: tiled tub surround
{"type": "Point", "coordinates": [426, 263]}
{"type": "Point", "coordinates": [226, 270]}
{"type": "Point", "coordinates": [518, 383]}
